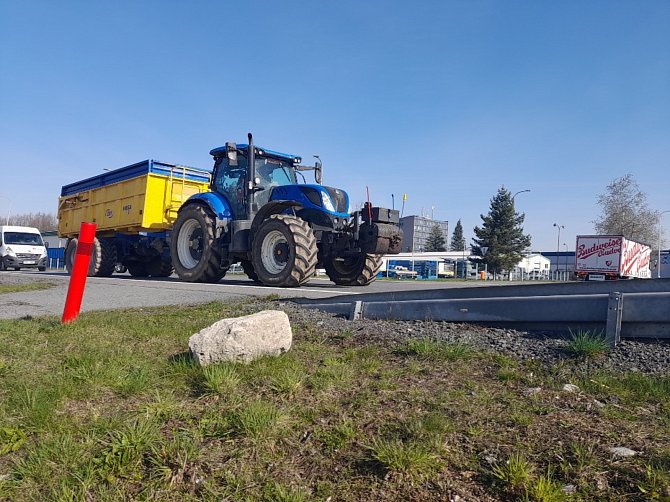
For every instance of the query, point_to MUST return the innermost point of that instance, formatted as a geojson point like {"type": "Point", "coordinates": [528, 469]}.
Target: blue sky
{"type": "Point", "coordinates": [445, 101]}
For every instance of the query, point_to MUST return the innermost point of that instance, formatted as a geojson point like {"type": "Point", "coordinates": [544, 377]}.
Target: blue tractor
{"type": "Point", "coordinates": [279, 230]}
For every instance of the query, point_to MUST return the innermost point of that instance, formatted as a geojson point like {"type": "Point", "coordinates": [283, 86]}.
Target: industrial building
{"type": "Point", "coordinates": [416, 230]}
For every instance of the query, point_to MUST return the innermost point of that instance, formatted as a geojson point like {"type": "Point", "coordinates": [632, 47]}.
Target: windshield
{"type": "Point", "coordinates": [25, 238]}
{"type": "Point", "coordinates": [274, 172]}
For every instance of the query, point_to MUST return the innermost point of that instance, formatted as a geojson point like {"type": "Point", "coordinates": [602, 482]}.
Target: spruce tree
{"type": "Point", "coordinates": [502, 234]}
{"type": "Point", "coordinates": [457, 239]}
{"type": "Point", "coordinates": [436, 240]}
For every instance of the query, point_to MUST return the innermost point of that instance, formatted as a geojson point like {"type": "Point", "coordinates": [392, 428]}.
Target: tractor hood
{"type": "Point", "coordinates": [328, 199]}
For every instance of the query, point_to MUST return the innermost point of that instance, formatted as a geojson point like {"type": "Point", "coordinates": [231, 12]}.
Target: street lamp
{"type": "Point", "coordinates": [566, 258]}
{"type": "Point", "coordinates": [558, 243]}
{"type": "Point", "coordinates": [520, 191]}
{"type": "Point", "coordinates": [9, 208]}
{"type": "Point", "coordinates": [660, 228]}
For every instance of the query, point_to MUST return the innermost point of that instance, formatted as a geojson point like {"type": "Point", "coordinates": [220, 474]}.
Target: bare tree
{"type": "Point", "coordinates": [624, 211]}
{"type": "Point", "coordinates": [45, 222]}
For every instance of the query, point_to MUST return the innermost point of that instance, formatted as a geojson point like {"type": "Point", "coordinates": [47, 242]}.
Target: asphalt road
{"type": "Point", "coordinates": [123, 291]}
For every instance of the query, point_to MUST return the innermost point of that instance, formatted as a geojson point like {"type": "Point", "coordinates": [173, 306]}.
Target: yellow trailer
{"type": "Point", "coordinates": [143, 197]}
{"type": "Point", "coordinates": [134, 208]}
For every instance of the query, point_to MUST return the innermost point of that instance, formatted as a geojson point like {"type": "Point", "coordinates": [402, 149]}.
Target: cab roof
{"type": "Point", "coordinates": [260, 151]}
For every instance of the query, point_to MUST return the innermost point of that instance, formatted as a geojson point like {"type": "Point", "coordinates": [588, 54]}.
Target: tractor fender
{"type": "Point", "coordinates": [217, 204]}
{"type": "Point", "coordinates": [272, 207]}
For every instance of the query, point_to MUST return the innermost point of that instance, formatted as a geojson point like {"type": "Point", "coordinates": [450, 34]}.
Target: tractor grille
{"type": "Point", "coordinates": [339, 199]}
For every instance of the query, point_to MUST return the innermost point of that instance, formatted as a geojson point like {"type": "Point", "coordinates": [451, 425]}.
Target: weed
{"type": "Point", "coordinates": [287, 381]}
{"type": "Point", "coordinates": [656, 484]}
{"type": "Point", "coordinates": [275, 492]}
{"type": "Point", "coordinates": [172, 460]}
{"type": "Point", "coordinates": [587, 345]}
{"type": "Point", "coordinates": [221, 378]}
{"type": "Point", "coordinates": [257, 420]}
{"type": "Point", "coordinates": [123, 450]}
{"type": "Point", "coordinates": [409, 458]}
{"type": "Point", "coordinates": [133, 381]}
{"type": "Point", "coordinates": [515, 473]}
{"type": "Point", "coordinates": [339, 436]}
{"type": "Point", "coordinates": [545, 489]}
{"type": "Point", "coordinates": [11, 439]}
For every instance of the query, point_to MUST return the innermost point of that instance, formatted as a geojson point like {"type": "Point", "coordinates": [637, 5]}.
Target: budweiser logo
{"type": "Point", "coordinates": [604, 248]}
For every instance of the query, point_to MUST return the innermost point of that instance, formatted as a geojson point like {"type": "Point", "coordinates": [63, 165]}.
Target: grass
{"type": "Point", "coordinates": [587, 344]}
{"type": "Point", "coordinates": [111, 407]}
{"type": "Point", "coordinates": [20, 288]}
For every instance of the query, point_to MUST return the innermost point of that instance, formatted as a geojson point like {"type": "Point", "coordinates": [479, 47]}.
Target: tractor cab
{"type": "Point", "coordinates": [231, 175]}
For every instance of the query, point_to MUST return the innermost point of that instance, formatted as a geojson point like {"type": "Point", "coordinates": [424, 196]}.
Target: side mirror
{"type": "Point", "coordinates": [231, 153]}
{"type": "Point", "coordinates": [318, 170]}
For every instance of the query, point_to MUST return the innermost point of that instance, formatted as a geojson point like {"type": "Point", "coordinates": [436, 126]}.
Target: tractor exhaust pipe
{"type": "Point", "coordinates": [251, 180]}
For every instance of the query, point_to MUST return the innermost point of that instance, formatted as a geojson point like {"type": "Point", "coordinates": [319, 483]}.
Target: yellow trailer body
{"type": "Point", "coordinates": [143, 197]}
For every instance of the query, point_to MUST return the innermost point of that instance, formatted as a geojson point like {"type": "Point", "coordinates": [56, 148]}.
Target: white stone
{"type": "Point", "coordinates": [242, 339]}
{"type": "Point", "coordinates": [568, 387]}
{"type": "Point", "coordinates": [620, 451]}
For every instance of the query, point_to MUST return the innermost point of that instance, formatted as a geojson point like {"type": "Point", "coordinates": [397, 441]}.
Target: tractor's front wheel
{"type": "Point", "coordinates": [284, 251]}
{"type": "Point", "coordinates": [195, 255]}
{"type": "Point", "coordinates": [358, 270]}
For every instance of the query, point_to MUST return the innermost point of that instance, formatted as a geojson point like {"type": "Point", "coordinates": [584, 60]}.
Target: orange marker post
{"type": "Point", "coordinates": [82, 259]}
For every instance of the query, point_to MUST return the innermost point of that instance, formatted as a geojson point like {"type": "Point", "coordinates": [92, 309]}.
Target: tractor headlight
{"type": "Point", "coordinates": [327, 202]}
{"type": "Point", "coordinates": [10, 252]}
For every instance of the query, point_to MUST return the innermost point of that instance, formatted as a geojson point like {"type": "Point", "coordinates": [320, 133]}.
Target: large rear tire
{"type": "Point", "coordinates": [284, 251]}
{"type": "Point", "coordinates": [358, 270]}
{"type": "Point", "coordinates": [103, 257]}
{"type": "Point", "coordinates": [195, 255]}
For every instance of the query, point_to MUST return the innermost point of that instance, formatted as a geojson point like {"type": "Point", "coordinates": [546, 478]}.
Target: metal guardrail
{"type": "Point", "coordinates": [616, 314]}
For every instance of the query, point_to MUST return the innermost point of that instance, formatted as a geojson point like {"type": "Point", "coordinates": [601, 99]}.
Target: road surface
{"type": "Point", "coordinates": [123, 291]}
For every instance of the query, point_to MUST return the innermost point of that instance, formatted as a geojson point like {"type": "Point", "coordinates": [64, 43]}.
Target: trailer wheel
{"type": "Point", "coordinates": [158, 267]}
{"type": "Point", "coordinates": [106, 255]}
{"type": "Point", "coordinates": [138, 269]}
{"type": "Point", "coordinates": [284, 251]}
{"type": "Point", "coordinates": [103, 257]}
{"type": "Point", "coordinates": [195, 255]}
{"type": "Point", "coordinates": [358, 270]}
{"type": "Point", "coordinates": [248, 268]}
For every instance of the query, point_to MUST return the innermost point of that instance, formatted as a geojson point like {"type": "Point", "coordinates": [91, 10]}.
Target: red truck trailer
{"type": "Point", "coordinates": [611, 257]}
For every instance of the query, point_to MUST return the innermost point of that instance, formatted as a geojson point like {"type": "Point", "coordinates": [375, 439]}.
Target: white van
{"type": "Point", "coordinates": [22, 247]}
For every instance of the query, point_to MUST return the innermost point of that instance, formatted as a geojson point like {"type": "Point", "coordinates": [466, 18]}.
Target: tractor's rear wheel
{"type": "Point", "coordinates": [284, 251]}
{"type": "Point", "coordinates": [358, 270]}
{"type": "Point", "coordinates": [158, 267]}
{"type": "Point", "coordinates": [195, 255]}
{"type": "Point", "coordinates": [248, 268]}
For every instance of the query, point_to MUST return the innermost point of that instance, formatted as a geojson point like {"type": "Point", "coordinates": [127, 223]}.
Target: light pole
{"type": "Point", "coordinates": [566, 258]}
{"type": "Point", "coordinates": [660, 231]}
{"type": "Point", "coordinates": [520, 191]}
{"type": "Point", "coordinates": [558, 244]}
{"type": "Point", "coordinates": [9, 208]}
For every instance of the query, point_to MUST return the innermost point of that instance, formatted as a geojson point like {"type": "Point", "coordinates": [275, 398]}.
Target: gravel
{"type": "Point", "coordinates": [649, 357]}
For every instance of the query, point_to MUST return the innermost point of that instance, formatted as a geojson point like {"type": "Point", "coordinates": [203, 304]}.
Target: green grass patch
{"type": "Point", "coordinates": [112, 407]}
{"type": "Point", "coordinates": [21, 288]}
{"type": "Point", "coordinates": [587, 344]}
